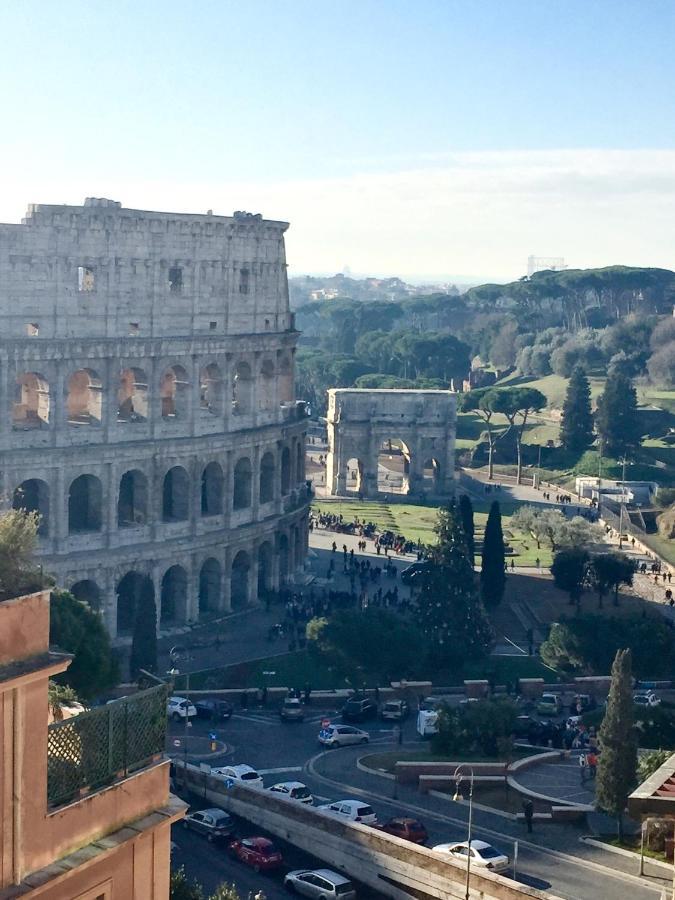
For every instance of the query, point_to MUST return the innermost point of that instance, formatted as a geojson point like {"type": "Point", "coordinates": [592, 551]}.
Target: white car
{"type": "Point", "coordinates": [320, 883]}
{"type": "Point", "coordinates": [294, 790]}
{"type": "Point", "coordinates": [427, 722]}
{"type": "Point", "coordinates": [342, 736]}
{"type": "Point", "coordinates": [649, 699]}
{"type": "Point", "coordinates": [243, 774]}
{"type": "Point", "coordinates": [352, 810]}
{"type": "Point", "coordinates": [179, 707]}
{"type": "Point", "coordinates": [482, 855]}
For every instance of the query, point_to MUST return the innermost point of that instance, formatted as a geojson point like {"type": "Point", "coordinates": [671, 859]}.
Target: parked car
{"type": "Point", "coordinates": [395, 710]}
{"type": "Point", "coordinates": [648, 699]}
{"type": "Point", "coordinates": [582, 703]}
{"type": "Point", "coordinates": [359, 708]}
{"type": "Point", "coordinates": [243, 774]}
{"type": "Point", "coordinates": [352, 810]}
{"type": "Point", "coordinates": [412, 572]}
{"type": "Point", "coordinates": [257, 852]}
{"type": "Point", "coordinates": [482, 854]}
{"type": "Point", "coordinates": [320, 883]}
{"type": "Point", "coordinates": [216, 824]}
{"type": "Point", "coordinates": [178, 708]}
{"type": "Point", "coordinates": [549, 705]}
{"type": "Point", "coordinates": [407, 829]}
{"type": "Point", "coordinates": [342, 736]}
{"type": "Point", "coordinates": [523, 726]}
{"type": "Point", "coordinates": [213, 709]}
{"type": "Point", "coordinates": [292, 710]}
{"type": "Point", "coordinates": [294, 790]}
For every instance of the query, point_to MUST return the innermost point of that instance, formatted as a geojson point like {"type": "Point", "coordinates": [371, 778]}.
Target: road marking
{"type": "Point", "coordinates": [430, 814]}
{"type": "Point", "coordinates": [280, 769]}
{"type": "Point", "coordinates": [258, 719]}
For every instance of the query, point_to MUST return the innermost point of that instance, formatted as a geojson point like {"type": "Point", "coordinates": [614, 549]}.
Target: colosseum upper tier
{"type": "Point", "coordinates": [147, 406]}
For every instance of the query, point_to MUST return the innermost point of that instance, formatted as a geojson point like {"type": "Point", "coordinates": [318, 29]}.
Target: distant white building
{"type": "Point", "coordinates": [545, 263]}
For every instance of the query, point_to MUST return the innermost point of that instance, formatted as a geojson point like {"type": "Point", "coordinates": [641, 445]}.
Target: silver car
{"type": "Point", "coordinates": [216, 824]}
{"type": "Point", "coordinates": [320, 883]}
{"type": "Point", "coordinates": [342, 736]}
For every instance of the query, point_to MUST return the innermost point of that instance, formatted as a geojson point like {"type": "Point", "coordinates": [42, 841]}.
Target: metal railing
{"type": "Point", "coordinates": [90, 751]}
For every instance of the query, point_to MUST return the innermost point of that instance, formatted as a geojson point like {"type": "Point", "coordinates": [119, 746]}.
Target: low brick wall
{"type": "Point", "coordinates": [410, 772]}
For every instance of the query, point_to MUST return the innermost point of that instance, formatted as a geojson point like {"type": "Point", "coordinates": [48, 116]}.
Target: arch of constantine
{"type": "Point", "coordinates": [391, 442]}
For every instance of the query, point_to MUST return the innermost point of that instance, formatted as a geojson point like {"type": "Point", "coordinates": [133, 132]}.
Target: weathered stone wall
{"type": "Point", "coordinates": [147, 406]}
{"type": "Point", "coordinates": [360, 421]}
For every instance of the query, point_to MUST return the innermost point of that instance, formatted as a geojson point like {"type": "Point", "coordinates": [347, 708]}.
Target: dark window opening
{"type": "Point", "coordinates": [175, 279]}
{"type": "Point", "coordinates": [244, 283]}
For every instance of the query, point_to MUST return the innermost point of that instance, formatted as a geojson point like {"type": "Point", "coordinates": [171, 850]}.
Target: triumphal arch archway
{"type": "Point", "coordinates": [391, 442]}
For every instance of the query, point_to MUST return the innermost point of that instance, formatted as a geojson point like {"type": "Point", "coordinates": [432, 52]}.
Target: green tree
{"type": "Point", "coordinates": [617, 419]}
{"type": "Point", "coordinates": [18, 538]}
{"type": "Point", "coordinates": [76, 628]}
{"type": "Point", "coordinates": [651, 761]}
{"type": "Point", "coordinates": [608, 571]}
{"type": "Point", "coordinates": [576, 429]}
{"type": "Point", "coordinates": [570, 572]}
{"type": "Point", "coordinates": [485, 403]}
{"type": "Point", "coordinates": [516, 404]}
{"type": "Point", "coordinates": [450, 613]}
{"type": "Point", "coordinates": [466, 514]}
{"type": "Point", "coordinates": [184, 888]}
{"type": "Point", "coordinates": [492, 574]}
{"type": "Point", "coordinates": [144, 638]}
{"type": "Point", "coordinates": [618, 758]}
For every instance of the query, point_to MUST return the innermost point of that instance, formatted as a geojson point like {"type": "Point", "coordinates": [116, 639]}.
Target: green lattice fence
{"type": "Point", "coordinates": [93, 749]}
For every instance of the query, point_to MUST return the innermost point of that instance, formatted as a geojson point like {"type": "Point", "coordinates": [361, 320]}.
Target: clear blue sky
{"type": "Point", "coordinates": [270, 92]}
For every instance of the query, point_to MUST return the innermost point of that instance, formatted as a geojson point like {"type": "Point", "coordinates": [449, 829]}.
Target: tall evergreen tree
{"type": "Point", "coordinates": [466, 515]}
{"type": "Point", "coordinates": [492, 573]}
{"type": "Point", "coordinates": [617, 769]}
{"type": "Point", "coordinates": [616, 419]}
{"type": "Point", "coordinates": [144, 639]}
{"type": "Point", "coordinates": [449, 611]}
{"type": "Point", "coordinates": [576, 428]}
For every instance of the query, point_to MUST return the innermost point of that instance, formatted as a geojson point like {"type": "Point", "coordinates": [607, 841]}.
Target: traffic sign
{"type": "Point", "coordinates": [324, 724]}
{"type": "Point", "coordinates": [229, 783]}
{"type": "Point", "coordinates": [213, 736]}
{"type": "Point", "coordinates": [176, 743]}
{"type": "Point", "coordinates": [324, 733]}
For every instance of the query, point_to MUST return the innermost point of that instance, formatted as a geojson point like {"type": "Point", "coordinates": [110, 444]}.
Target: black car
{"type": "Point", "coordinates": [213, 709]}
{"type": "Point", "coordinates": [412, 572]}
{"type": "Point", "coordinates": [359, 708]}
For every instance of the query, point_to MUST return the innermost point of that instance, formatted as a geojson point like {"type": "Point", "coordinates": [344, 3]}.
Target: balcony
{"type": "Point", "coordinates": [96, 748]}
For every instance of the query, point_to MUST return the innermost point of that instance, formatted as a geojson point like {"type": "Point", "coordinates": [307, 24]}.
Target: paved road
{"type": "Point", "coordinates": [552, 858]}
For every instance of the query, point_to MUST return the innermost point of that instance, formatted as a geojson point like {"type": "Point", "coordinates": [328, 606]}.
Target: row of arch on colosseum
{"type": "Point", "coordinates": [174, 493]}
{"type": "Point", "coordinates": [192, 586]}
{"type": "Point", "coordinates": [244, 385]}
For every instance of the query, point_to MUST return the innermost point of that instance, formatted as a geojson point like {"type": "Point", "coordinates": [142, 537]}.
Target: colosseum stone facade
{"type": "Point", "coordinates": [147, 407]}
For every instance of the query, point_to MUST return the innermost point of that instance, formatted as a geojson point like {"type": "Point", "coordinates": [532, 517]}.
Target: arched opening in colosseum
{"type": "Point", "coordinates": [393, 467]}
{"type": "Point", "coordinates": [284, 563]}
{"type": "Point", "coordinates": [132, 501]}
{"type": "Point", "coordinates": [264, 568]}
{"type": "Point", "coordinates": [431, 475]}
{"type": "Point", "coordinates": [132, 591]}
{"type": "Point", "coordinates": [286, 386]}
{"type": "Point", "coordinates": [85, 501]}
{"type": "Point", "coordinates": [300, 461]}
{"type": "Point", "coordinates": [212, 489]}
{"type": "Point", "coordinates": [88, 592]}
{"type": "Point", "coordinates": [174, 392]}
{"type": "Point", "coordinates": [31, 402]}
{"type": "Point", "coordinates": [173, 598]}
{"type": "Point", "coordinates": [267, 385]}
{"type": "Point", "coordinates": [239, 583]}
{"type": "Point", "coordinates": [295, 545]}
{"type": "Point", "coordinates": [176, 495]}
{"type": "Point", "coordinates": [132, 396]}
{"type": "Point", "coordinates": [84, 400]}
{"type": "Point", "coordinates": [211, 390]}
{"type": "Point", "coordinates": [241, 498]}
{"type": "Point", "coordinates": [267, 478]}
{"type": "Point", "coordinates": [33, 496]}
{"type": "Point", "coordinates": [242, 389]}
{"type": "Point", "coordinates": [354, 483]}
{"type": "Point", "coordinates": [285, 471]}
{"type": "Point", "coordinates": [210, 593]}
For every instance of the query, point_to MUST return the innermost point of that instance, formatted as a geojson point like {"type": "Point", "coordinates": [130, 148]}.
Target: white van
{"type": "Point", "coordinates": [427, 722]}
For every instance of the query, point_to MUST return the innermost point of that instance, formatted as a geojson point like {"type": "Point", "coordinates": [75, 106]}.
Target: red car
{"type": "Point", "coordinates": [408, 829]}
{"type": "Point", "coordinates": [257, 852]}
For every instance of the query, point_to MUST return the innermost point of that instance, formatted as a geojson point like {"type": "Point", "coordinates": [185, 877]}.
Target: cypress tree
{"type": "Point", "coordinates": [617, 419]}
{"type": "Point", "coordinates": [617, 767]}
{"type": "Point", "coordinates": [449, 611]}
{"type": "Point", "coordinates": [466, 515]}
{"type": "Point", "coordinates": [576, 428]}
{"type": "Point", "coordinates": [492, 574]}
{"type": "Point", "coordinates": [144, 639]}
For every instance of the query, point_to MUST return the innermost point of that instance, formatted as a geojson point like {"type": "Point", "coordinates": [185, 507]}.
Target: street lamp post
{"type": "Point", "coordinates": [458, 777]}
{"type": "Point", "coordinates": [623, 500]}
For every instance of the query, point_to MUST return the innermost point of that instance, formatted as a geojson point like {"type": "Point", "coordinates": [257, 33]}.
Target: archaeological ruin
{"type": "Point", "coordinates": [391, 443]}
{"type": "Point", "coordinates": [147, 406]}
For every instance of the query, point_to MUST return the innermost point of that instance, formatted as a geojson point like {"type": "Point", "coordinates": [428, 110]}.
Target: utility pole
{"type": "Point", "coordinates": [599, 474]}
{"type": "Point", "coordinates": [623, 500]}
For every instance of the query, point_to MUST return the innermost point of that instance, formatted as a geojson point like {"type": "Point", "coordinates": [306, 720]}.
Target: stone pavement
{"type": "Point", "coordinates": [560, 779]}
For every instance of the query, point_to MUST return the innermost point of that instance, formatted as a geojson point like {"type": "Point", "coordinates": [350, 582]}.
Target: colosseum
{"type": "Point", "coordinates": [147, 406]}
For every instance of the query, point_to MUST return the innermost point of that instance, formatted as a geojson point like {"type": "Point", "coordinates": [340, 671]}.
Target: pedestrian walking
{"type": "Point", "coordinates": [583, 765]}
{"type": "Point", "coordinates": [592, 760]}
{"type": "Point", "coordinates": [528, 812]}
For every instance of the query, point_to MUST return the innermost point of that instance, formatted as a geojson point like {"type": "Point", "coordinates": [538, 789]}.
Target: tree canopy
{"type": "Point", "coordinates": [576, 428]}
